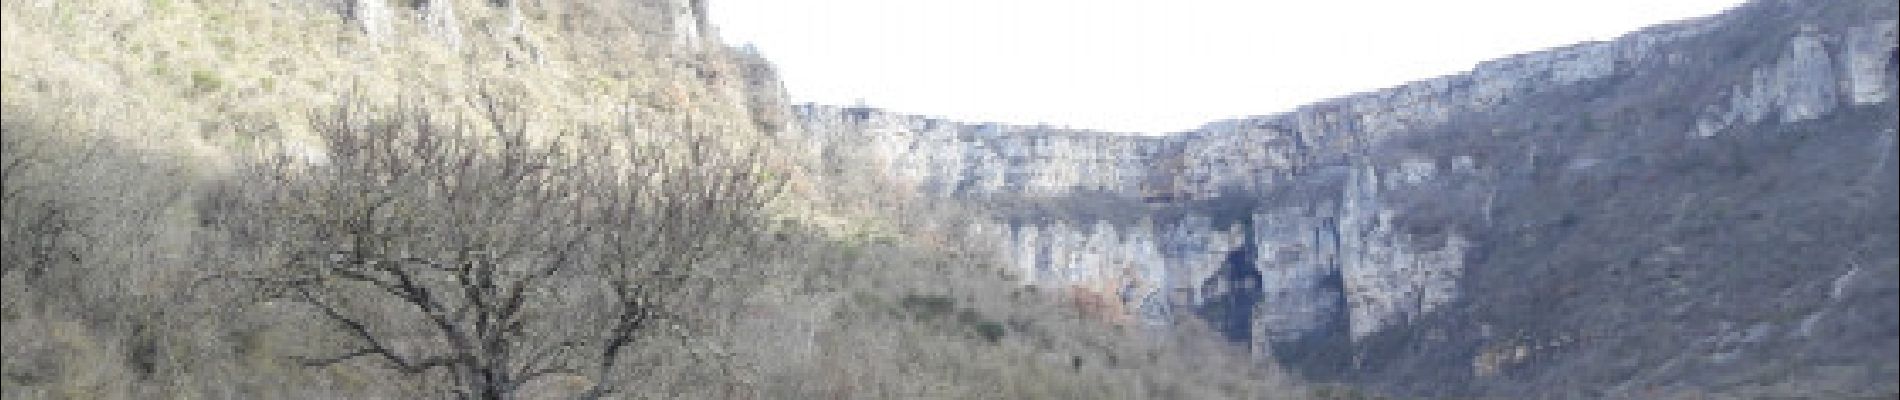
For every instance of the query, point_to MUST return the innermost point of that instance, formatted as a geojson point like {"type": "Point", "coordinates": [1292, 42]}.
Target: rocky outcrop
{"type": "Point", "coordinates": [690, 23]}
{"type": "Point", "coordinates": [1807, 81]}
{"type": "Point", "coordinates": [439, 17]}
{"type": "Point", "coordinates": [1799, 87]}
{"type": "Point", "coordinates": [1390, 275]}
{"type": "Point", "coordinates": [1151, 268]}
{"type": "Point", "coordinates": [372, 17]}
{"type": "Point", "coordinates": [1868, 56]}
{"type": "Point", "coordinates": [1303, 303]}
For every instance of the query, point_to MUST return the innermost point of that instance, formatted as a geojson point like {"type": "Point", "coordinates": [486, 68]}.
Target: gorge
{"type": "Point", "coordinates": [605, 199]}
{"type": "Point", "coordinates": [1557, 218]}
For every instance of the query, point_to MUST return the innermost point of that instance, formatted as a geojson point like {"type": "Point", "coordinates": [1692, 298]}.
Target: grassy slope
{"type": "Point", "coordinates": [137, 102]}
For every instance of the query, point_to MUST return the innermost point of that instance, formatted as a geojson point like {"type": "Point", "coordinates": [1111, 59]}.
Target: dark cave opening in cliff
{"type": "Point", "coordinates": [1229, 306]}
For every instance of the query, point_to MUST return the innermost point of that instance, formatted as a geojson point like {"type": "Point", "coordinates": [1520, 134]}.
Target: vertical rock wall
{"type": "Point", "coordinates": [1323, 207]}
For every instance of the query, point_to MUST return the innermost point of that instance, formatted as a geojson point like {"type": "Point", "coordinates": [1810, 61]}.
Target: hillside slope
{"type": "Point", "coordinates": [170, 165]}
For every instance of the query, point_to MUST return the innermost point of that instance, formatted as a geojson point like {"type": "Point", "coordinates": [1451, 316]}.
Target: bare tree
{"type": "Point", "coordinates": [490, 258]}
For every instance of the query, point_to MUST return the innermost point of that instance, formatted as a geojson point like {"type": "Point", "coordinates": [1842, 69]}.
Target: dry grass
{"type": "Point", "coordinates": [212, 76]}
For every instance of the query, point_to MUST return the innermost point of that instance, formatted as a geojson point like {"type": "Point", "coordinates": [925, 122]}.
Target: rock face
{"type": "Point", "coordinates": [373, 17]}
{"type": "Point", "coordinates": [1395, 235]}
{"type": "Point", "coordinates": [1386, 278]}
{"type": "Point", "coordinates": [1141, 265]}
{"type": "Point", "coordinates": [946, 158]}
{"type": "Point", "coordinates": [1867, 81]}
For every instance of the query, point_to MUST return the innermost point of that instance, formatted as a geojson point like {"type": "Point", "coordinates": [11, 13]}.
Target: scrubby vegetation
{"type": "Point", "coordinates": [231, 199]}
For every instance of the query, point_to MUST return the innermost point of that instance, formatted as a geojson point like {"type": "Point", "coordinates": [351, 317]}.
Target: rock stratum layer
{"type": "Point", "coordinates": [1694, 204]}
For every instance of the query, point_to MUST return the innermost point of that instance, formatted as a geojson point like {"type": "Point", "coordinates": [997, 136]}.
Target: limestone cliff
{"type": "Point", "coordinates": [1360, 235]}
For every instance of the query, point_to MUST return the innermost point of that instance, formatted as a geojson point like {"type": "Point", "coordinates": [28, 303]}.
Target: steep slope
{"type": "Point", "coordinates": [120, 114]}
{"type": "Point", "coordinates": [1705, 206]}
{"type": "Point", "coordinates": [142, 136]}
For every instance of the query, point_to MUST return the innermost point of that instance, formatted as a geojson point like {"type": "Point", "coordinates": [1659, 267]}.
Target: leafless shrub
{"type": "Point", "coordinates": [79, 206]}
{"type": "Point", "coordinates": [41, 225]}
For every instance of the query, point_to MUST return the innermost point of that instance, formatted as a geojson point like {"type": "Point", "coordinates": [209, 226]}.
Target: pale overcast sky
{"type": "Point", "coordinates": [1146, 65]}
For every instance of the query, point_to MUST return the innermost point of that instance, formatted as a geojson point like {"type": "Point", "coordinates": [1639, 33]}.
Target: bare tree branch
{"type": "Point", "coordinates": [487, 246]}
